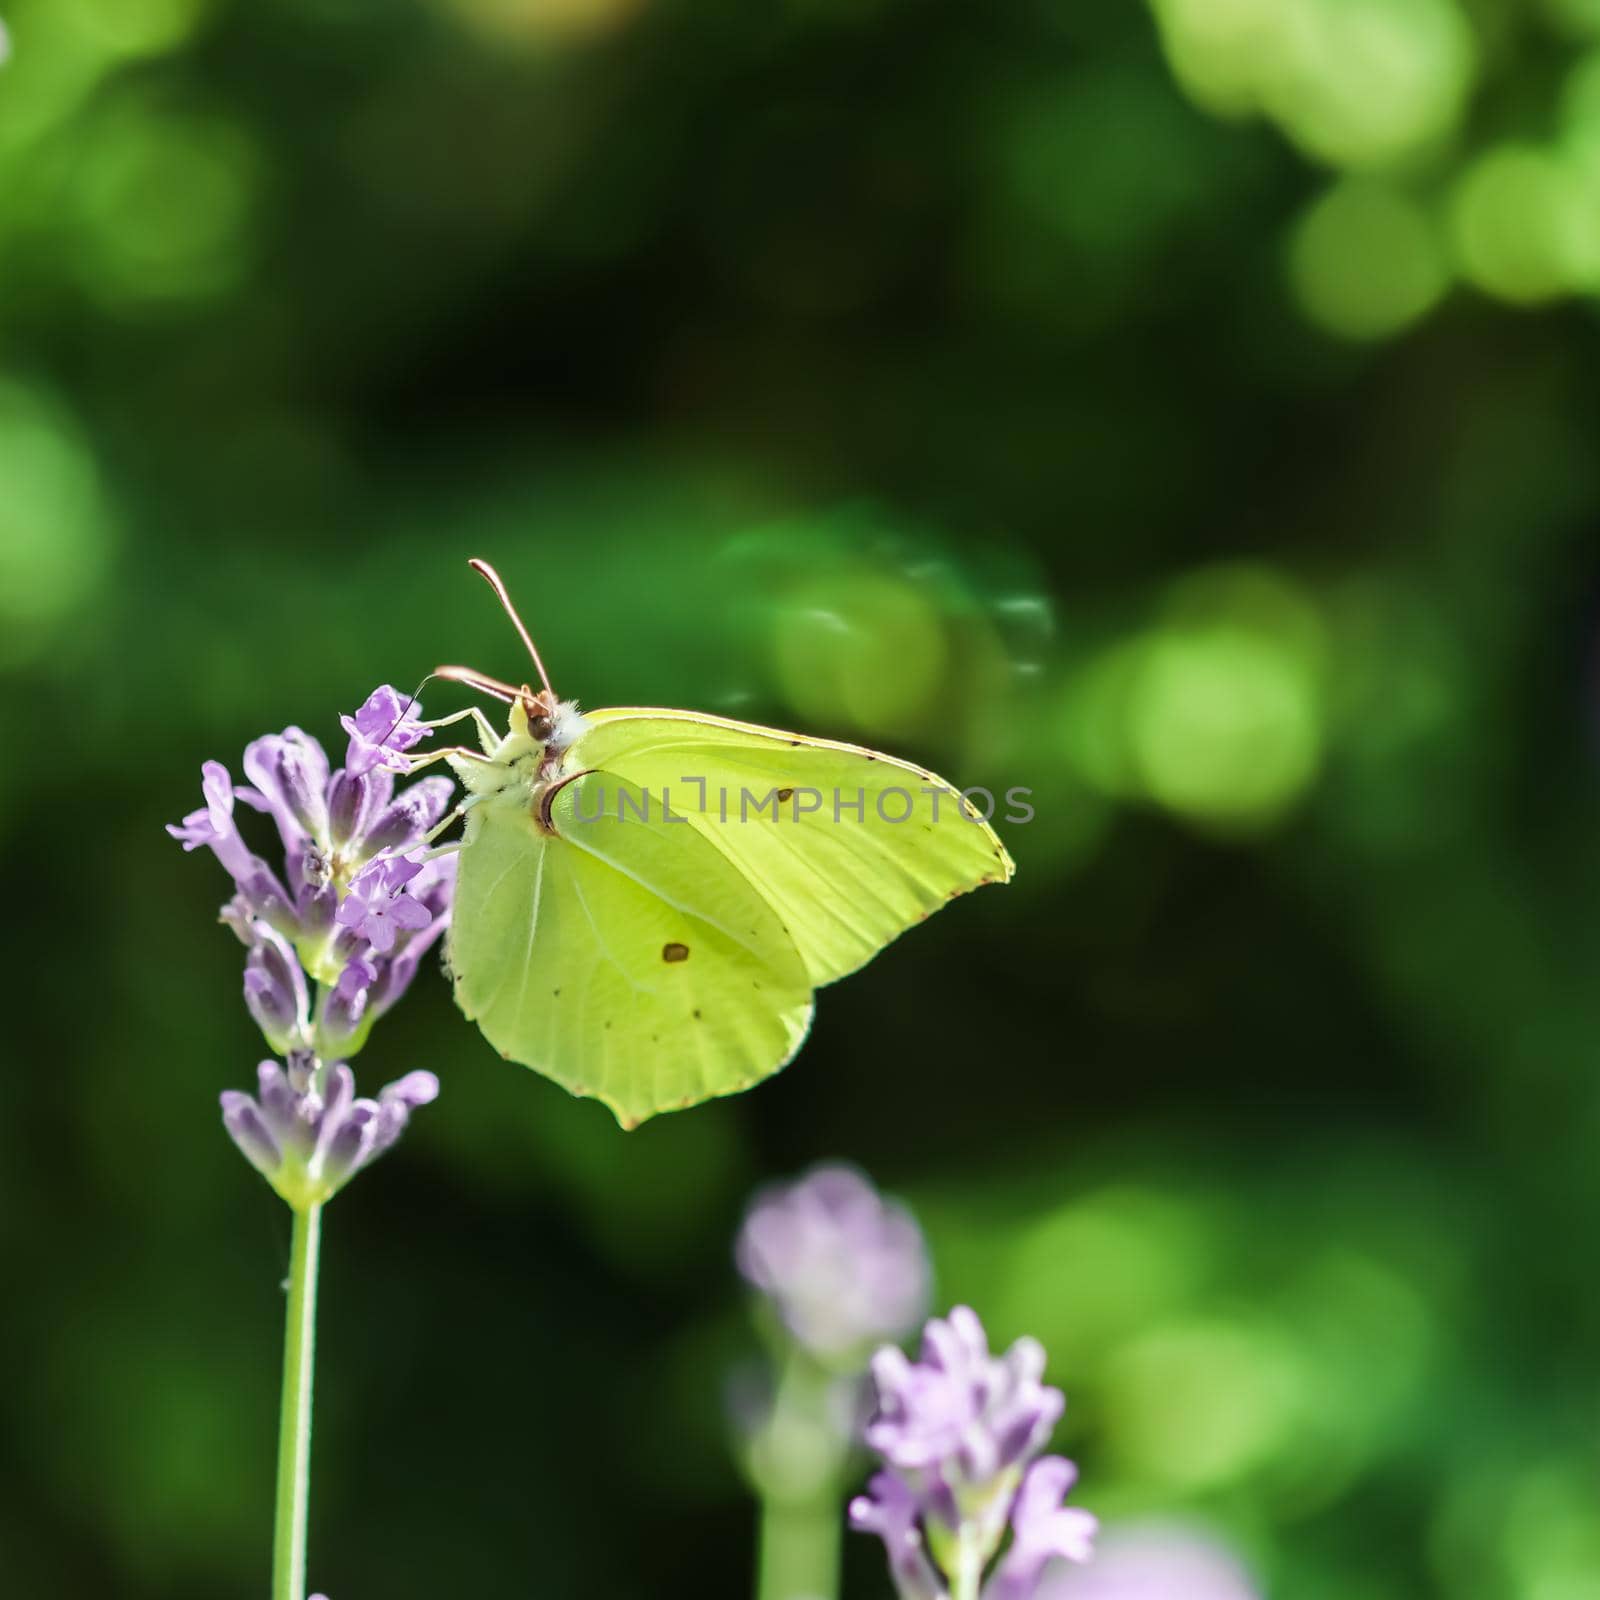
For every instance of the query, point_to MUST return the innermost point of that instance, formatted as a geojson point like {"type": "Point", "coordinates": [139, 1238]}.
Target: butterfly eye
{"type": "Point", "coordinates": [540, 712]}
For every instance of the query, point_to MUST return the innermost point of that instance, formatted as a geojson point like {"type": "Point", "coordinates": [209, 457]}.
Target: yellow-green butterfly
{"type": "Point", "coordinates": [647, 899]}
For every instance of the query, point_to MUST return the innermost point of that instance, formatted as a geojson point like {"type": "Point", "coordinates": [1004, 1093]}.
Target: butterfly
{"type": "Point", "coordinates": [647, 900]}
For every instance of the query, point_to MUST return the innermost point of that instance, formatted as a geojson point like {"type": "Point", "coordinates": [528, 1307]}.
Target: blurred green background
{"type": "Point", "coordinates": [1186, 411]}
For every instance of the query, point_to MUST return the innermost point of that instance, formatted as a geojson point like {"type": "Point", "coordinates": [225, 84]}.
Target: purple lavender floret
{"type": "Point", "coordinates": [352, 909]}
{"type": "Point", "coordinates": [290, 773]}
{"type": "Point", "coordinates": [377, 908]}
{"type": "Point", "coordinates": [371, 980]}
{"type": "Point", "coordinates": [308, 1140]}
{"type": "Point", "coordinates": [1042, 1530]}
{"type": "Point", "coordinates": [890, 1510]}
{"type": "Point", "coordinates": [842, 1267]}
{"type": "Point", "coordinates": [260, 894]}
{"type": "Point", "coordinates": [384, 728]}
{"type": "Point", "coordinates": [959, 1432]}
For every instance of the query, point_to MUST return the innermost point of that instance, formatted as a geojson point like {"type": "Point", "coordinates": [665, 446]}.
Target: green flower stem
{"type": "Point", "coordinates": [800, 1549]}
{"type": "Point", "coordinates": [968, 1575]}
{"type": "Point", "coordinates": [802, 1485]}
{"type": "Point", "coordinates": [294, 1421]}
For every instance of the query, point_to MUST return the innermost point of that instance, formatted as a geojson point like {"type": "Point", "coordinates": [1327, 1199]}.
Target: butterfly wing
{"type": "Point", "coordinates": [625, 956]}
{"type": "Point", "coordinates": [885, 844]}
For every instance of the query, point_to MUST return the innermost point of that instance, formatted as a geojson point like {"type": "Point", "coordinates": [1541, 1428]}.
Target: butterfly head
{"type": "Point", "coordinates": [542, 719]}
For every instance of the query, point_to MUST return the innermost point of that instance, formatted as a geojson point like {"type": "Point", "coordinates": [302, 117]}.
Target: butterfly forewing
{"type": "Point", "coordinates": [848, 846]}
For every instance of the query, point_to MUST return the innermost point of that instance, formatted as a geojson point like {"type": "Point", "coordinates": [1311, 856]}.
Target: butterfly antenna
{"type": "Point", "coordinates": [492, 578]}
{"type": "Point", "coordinates": [480, 681]}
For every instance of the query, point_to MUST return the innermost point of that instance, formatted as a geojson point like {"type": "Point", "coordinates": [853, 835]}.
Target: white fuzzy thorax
{"type": "Point", "coordinates": [567, 726]}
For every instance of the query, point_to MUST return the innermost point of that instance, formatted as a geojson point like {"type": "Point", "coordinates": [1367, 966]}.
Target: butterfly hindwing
{"type": "Point", "coordinates": [625, 956]}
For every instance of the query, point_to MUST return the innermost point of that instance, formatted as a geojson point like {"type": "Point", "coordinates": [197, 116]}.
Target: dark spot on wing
{"type": "Point", "coordinates": [785, 794]}
{"type": "Point", "coordinates": [697, 1016]}
{"type": "Point", "coordinates": [674, 952]}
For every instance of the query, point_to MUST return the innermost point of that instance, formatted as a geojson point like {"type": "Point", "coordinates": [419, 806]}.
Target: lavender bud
{"type": "Point", "coordinates": [396, 1102]}
{"type": "Point", "coordinates": [354, 799]}
{"type": "Point", "coordinates": [396, 973]}
{"type": "Point", "coordinates": [287, 1110]}
{"type": "Point", "coordinates": [267, 899]}
{"type": "Point", "coordinates": [300, 1067]}
{"type": "Point", "coordinates": [338, 1095]}
{"type": "Point", "coordinates": [242, 1117]}
{"type": "Point", "coordinates": [347, 1143]}
{"type": "Point", "coordinates": [275, 991]}
{"type": "Point", "coordinates": [345, 1016]}
{"type": "Point", "coordinates": [317, 907]}
{"type": "Point", "coordinates": [843, 1268]}
{"type": "Point", "coordinates": [413, 812]}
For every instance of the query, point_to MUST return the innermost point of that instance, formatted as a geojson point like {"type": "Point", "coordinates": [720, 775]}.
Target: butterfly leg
{"type": "Point", "coordinates": [487, 737]}
{"type": "Point", "coordinates": [446, 821]}
{"type": "Point", "coordinates": [417, 763]}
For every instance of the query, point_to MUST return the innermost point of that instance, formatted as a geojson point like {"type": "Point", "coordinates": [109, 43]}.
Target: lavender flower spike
{"type": "Point", "coordinates": [959, 1431]}
{"type": "Point", "coordinates": [960, 1418]}
{"type": "Point", "coordinates": [309, 1143]}
{"type": "Point", "coordinates": [352, 911]}
{"type": "Point", "coordinates": [843, 1268]}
